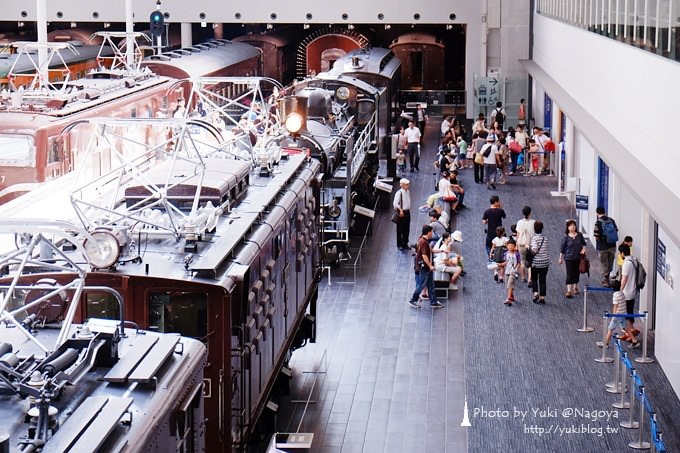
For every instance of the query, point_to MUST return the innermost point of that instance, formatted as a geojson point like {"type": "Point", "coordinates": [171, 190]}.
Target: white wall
{"type": "Point", "coordinates": [622, 103]}
{"type": "Point", "coordinates": [585, 166]}
{"type": "Point", "coordinates": [668, 306]}
{"type": "Point", "coordinates": [633, 97]}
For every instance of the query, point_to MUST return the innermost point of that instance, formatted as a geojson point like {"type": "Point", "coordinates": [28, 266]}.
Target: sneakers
{"type": "Point", "coordinates": [601, 344]}
{"type": "Point", "coordinates": [413, 304]}
{"type": "Point", "coordinates": [453, 286]}
{"type": "Point", "coordinates": [508, 302]}
{"type": "Point", "coordinates": [634, 345]}
{"type": "Point", "coordinates": [437, 305]}
{"type": "Point", "coordinates": [495, 276]}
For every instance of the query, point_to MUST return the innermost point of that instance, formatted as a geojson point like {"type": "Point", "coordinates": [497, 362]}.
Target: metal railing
{"type": "Point", "coordinates": [647, 24]}
{"type": "Point", "coordinates": [433, 99]}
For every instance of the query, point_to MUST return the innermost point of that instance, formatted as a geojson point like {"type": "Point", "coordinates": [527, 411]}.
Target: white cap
{"type": "Point", "coordinates": [404, 181]}
{"type": "Point", "coordinates": [457, 236]}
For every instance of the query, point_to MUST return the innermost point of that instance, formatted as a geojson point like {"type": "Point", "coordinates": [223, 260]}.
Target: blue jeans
{"type": "Point", "coordinates": [424, 278]}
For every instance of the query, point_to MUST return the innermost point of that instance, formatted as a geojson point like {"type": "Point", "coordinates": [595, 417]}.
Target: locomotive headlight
{"type": "Point", "coordinates": [104, 251]}
{"type": "Point", "coordinates": [342, 93]}
{"type": "Point", "coordinates": [294, 123]}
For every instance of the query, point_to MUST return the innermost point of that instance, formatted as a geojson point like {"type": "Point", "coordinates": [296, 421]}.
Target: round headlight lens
{"type": "Point", "coordinates": [104, 251]}
{"type": "Point", "coordinates": [294, 123]}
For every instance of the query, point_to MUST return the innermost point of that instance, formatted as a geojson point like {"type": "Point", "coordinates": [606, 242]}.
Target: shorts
{"type": "Point", "coordinates": [616, 322]}
{"type": "Point", "coordinates": [450, 269]}
{"type": "Point", "coordinates": [470, 155]}
{"type": "Point", "coordinates": [510, 280]}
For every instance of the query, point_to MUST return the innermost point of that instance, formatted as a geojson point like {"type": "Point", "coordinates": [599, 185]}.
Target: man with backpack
{"type": "Point", "coordinates": [632, 281]}
{"type": "Point", "coordinates": [498, 115]}
{"type": "Point", "coordinates": [606, 236]}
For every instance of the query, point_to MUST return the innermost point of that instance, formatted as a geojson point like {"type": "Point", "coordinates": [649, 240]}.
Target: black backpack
{"type": "Point", "coordinates": [640, 275]}
{"type": "Point", "coordinates": [500, 117]}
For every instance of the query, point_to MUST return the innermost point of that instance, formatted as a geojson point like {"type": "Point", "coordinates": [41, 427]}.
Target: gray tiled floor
{"type": "Point", "coordinates": [396, 377]}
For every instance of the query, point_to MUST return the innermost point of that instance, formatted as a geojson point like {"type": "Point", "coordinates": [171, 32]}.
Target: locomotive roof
{"type": "Point", "coordinates": [369, 60]}
{"type": "Point", "coordinates": [99, 386]}
{"type": "Point", "coordinates": [24, 65]}
{"type": "Point", "coordinates": [164, 255]}
{"type": "Point", "coordinates": [84, 94]}
{"type": "Point", "coordinates": [417, 38]}
{"type": "Point", "coordinates": [202, 59]}
{"type": "Point", "coordinates": [323, 78]}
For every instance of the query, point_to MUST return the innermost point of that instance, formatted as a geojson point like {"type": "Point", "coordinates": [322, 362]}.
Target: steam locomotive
{"type": "Point", "coordinates": [349, 112]}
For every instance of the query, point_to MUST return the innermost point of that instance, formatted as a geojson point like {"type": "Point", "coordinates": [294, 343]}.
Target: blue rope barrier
{"type": "Point", "coordinates": [637, 390]}
{"type": "Point", "coordinates": [653, 429]}
{"type": "Point", "coordinates": [623, 315]}
{"type": "Point", "coordinates": [602, 289]}
{"type": "Point", "coordinates": [638, 382]}
{"type": "Point", "coordinates": [628, 364]}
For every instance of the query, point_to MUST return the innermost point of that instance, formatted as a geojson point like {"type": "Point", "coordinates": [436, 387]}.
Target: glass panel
{"type": "Point", "coordinates": [53, 150]}
{"type": "Point", "coordinates": [183, 313]}
{"type": "Point", "coordinates": [17, 151]}
{"type": "Point", "coordinates": [101, 305]}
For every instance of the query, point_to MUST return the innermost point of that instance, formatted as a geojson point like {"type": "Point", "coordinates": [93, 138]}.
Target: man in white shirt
{"type": "Point", "coordinates": [413, 140]}
{"type": "Point", "coordinates": [489, 151]}
{"type": "Point", "coordinates": [446, 125]}
{"type": "Point", "coordinates": [402, 203]}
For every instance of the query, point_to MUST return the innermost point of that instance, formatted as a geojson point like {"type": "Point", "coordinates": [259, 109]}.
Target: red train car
{"type": "Point", "coordinates": [423, 61]}
{"type": "Point", "coordinates": [30, 128]}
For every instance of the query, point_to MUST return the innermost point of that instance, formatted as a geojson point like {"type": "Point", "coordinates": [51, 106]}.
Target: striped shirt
{"type": "Point", "coordinates": [539, 245]}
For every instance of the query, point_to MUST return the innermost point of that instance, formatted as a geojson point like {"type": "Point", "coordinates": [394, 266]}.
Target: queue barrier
{"type": "Point", "coordinates": [639, 393]}
{"type": "Point", "coordinates": [605, 326]}
{"type": "Point", "coordinates": [586, 289]}
{"type": "Point", "coordinates": [643, 358]}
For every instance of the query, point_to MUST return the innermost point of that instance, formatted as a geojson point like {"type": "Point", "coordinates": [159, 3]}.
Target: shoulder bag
{"type": "Point", "coordinates": [396, 215]}
{"type": "Point", "coordinates": [530, 255]}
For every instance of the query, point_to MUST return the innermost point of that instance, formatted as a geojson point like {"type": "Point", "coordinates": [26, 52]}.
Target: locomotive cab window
{"type": "Point", "coordinates": [54, 150]}
{"type": "Point", "coordinates": [183, 313]}
{"type": "Point", "coordinates": [365, 108]}
{"type": "Point", "coordinates": [17, 150]}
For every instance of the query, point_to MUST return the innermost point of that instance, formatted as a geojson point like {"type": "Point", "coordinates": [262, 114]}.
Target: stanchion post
{"type": "Point", "coordinates": [644, 358]}
{"type": "Point", "coordinates": [585, 327]}
{"type": "Point", "coordinates": [631, 424]}
{"type": "Point", "coordinates": [640, 444]}
{"type": "Point", "coordinates": [623, 404]}
{"type": "Point", "coordinates": [615, 386]}
{"type": "Point", "coordinates": [604, 358]}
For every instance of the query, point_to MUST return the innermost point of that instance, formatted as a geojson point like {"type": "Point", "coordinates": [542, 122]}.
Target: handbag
{"type": "Point", "coordinates": [479, 158]}
{"type": "Point", "coordinates": [449, 195]}
{"type": "Point", "coordinates": [396, 215]}
{"type": "Point", "coordinates": [396, 218]}
{"type": "Point", "coordinates": [584, 265]}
